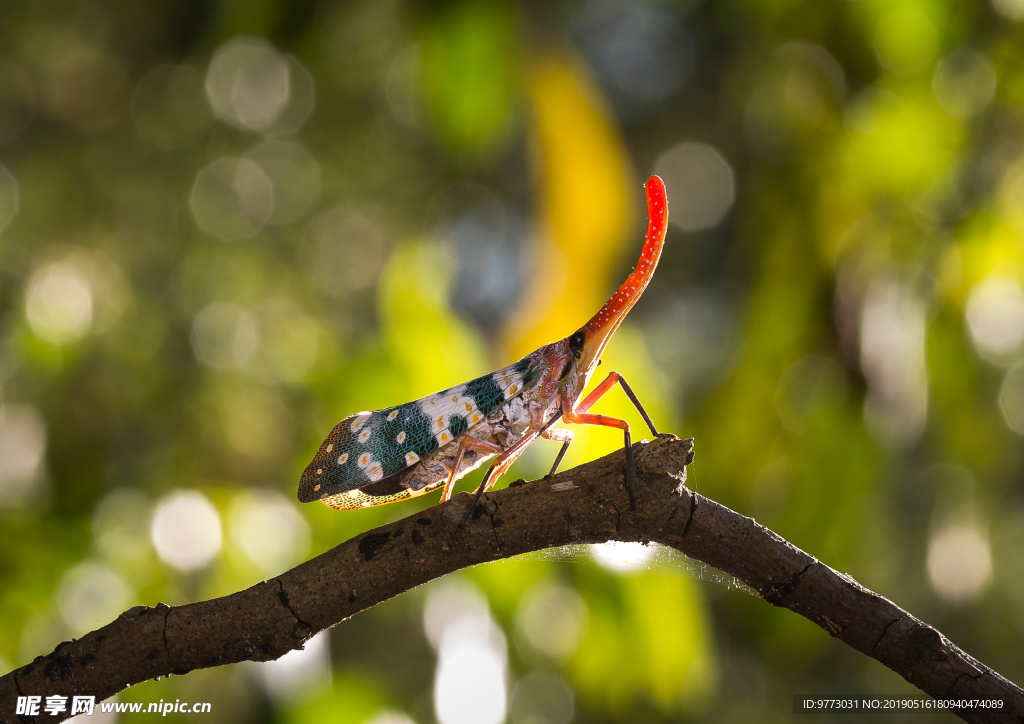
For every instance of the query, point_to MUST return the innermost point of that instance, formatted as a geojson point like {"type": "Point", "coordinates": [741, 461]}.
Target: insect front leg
{"type": "Point", "coordinates": [603, 388]}
{"type": "Point", "coordinates": [589, 418]}
{"type": "Point", "coordinates": [468, 442]}
{"type": "Point", "coordinates": [559, 434]}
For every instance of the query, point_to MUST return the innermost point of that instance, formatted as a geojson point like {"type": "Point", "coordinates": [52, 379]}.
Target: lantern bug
{"type": "Point", "coordinates": [373, 458]}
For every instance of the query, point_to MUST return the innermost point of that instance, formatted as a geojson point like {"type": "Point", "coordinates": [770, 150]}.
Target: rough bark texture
{"type": "Point", "coordinates": [585, 505]}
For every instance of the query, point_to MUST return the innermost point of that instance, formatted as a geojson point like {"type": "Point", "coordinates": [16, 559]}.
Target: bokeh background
{"type": "Point", "coordinates": [226, 224]}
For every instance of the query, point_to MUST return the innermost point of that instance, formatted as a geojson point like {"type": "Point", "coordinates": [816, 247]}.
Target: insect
{"type": "Point", "coordinates": [373, 458]}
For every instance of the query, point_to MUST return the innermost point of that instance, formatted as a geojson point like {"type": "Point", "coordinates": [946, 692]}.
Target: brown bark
{"type": "Point", "coordinates": [585, 505]}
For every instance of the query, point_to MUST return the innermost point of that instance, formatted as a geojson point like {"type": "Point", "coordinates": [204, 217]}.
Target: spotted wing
{"type": "Point", "coordinates": [368, 447]}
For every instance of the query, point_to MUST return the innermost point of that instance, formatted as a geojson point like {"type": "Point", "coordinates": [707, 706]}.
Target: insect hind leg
{"type": "Point", "coordinates": [497, 469]}
{"type": "Point", "coordinates": [468, 442]}
{"type": "Point", "coordinates": [589, 418]}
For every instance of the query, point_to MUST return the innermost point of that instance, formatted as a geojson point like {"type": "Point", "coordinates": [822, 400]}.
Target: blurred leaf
{"type": "Point", "coordinates": [585, 198]}
{"type": "Point", "coordinates": [468, 73]}
{"type": "Point", "coordinates": [647, 634]}
{"type": "Point", "coordinates": [424, 346]}
{"type": "Point", "coordinates": [900, 140]}
{"type": "Point", "coordinates": [353, 699]}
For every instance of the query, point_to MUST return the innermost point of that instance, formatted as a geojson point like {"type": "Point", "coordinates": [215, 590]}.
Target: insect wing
{"type": "Point", "coordinates": [367, 447]}
{"type": "Point", "coordinates": [356, 499]}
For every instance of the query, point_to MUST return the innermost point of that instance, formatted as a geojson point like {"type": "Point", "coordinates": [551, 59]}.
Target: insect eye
{"type": "Point", "coordinates": [576, 342]}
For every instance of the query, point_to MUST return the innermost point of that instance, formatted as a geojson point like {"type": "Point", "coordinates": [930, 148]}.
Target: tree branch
{"type": "Point", "coordinates": [585, 505]}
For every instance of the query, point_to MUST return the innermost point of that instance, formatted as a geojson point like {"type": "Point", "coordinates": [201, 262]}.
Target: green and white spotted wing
{"type": "Point", "coordinates": [369, 447]}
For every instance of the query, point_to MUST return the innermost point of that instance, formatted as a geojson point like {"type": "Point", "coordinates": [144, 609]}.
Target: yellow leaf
{"type": "Point", "coordinates": [585, 187]}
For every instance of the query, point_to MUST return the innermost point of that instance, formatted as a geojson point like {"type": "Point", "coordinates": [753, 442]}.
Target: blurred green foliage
{"type": "Point", "coordinates": [225, 225]}
{"type": "Point", "coordinates": [469, 56]}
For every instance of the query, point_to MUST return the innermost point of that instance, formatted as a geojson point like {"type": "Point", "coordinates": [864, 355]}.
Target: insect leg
{"type": "Point", "coordinates": [468, 442]}
{"type": "Point", "coordinates": [608, 383]}
{"type": "Point", "coordinates": [447, 492]}
{"type": "Point", "coordinates": [497, 469]}
{"type": "Point", "coordinates": [558, 434]}
{"type": "Point", "coordinates": [589, 418]}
